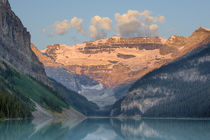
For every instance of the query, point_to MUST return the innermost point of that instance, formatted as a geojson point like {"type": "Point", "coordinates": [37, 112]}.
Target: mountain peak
{"type": "Point", "coordinates": [202, 29]}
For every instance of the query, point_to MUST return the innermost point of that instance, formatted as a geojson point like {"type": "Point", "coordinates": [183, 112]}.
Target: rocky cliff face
{"type": "Point", "coordinates": [15, 44]}
{"type": "Point", "coordinates": [113, 63]}
{"type": "Point", "coordinates": [80, 83]}
{"type": "Point", "coordinates": [116, 61]}
{"type": "Point", "coordinates": [179, 89]}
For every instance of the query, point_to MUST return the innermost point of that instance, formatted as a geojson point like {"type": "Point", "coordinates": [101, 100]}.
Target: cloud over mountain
{"type": "Point", "coordinates": [62, 27]}
{"type": "Point", "coordinates": [77, 24]}
{"type": "Point", "coordinates": [98, 27]}
{"type": "Point", "coordinates": [135, 23]}
{"type": "Point", "coordinates": [130, 24]}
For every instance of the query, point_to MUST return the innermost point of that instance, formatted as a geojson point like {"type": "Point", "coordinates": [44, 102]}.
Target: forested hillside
{"type": "Point", "coordinates": [18, 92]}
{"type": "Point", "coordinates": [179, 89]}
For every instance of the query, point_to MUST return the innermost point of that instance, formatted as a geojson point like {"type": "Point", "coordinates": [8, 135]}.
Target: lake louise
{"type": "Point", "coordinates": [106, 129]}
{"type": "Point", "coordinates": [104, 70]}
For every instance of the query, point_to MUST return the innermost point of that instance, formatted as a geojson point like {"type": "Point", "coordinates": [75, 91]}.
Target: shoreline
{"type": "Point", "coordinates": [146, 118]}
{"type": "Point", "coordinates": [120, 117]}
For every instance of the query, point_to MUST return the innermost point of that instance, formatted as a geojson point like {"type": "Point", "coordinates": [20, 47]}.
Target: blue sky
{"type": "Point", "coordinates": [182, 17]}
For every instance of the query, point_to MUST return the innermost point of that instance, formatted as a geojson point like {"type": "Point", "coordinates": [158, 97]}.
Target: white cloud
{"type": "Point", "coordinates": [104, 23]}
{"type": "Point", "coordinates": [135, 23]}
{"type": "Point", "coordinates": [77, 24]}
{"type": "Point", "coordinates": [130, 24]}
{"type": "Point", "coordinates": [62, 27]}
{"type": "Point", "coordinates": [98, 27]}
{"type": "Point", "coordinates": [153, 27]}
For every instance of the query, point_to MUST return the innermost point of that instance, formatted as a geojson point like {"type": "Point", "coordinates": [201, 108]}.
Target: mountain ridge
{"type": "Point", "coordinates": [15, 44]}
{"type": "Point", "coordinates": [179, 89]}
{"type": "Point", "coordinates": [25, 91]}
{"type": "Point", "coordinates": [115, 61]}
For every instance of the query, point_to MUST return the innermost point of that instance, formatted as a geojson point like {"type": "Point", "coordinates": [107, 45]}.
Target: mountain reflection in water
{"type": "Point", "coordinates": [105, 129]}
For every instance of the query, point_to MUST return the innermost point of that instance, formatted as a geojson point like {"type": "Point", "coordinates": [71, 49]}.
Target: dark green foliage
{"type": "Point", "coordinates": [40, 93]}
{"type": "Point", "coordinates": [192, 99]}
{"type": "Point", "coordinates": [116, 108]}
{"type": "Point", "coordinates": [190, 104]}
{"type": "Point", "coordinates": [12, 107]}
{"type": "Point", "coordinates": [23, 89]}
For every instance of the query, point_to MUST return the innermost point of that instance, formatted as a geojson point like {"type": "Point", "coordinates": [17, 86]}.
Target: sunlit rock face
{"type": "Point", "coordinates": [176, 89]}
{"type": "Point", "coordinates": [112, 61]}
{"type": "Point", "coordinates": [15, 44]}
{"type": "Point", "coordinates": [82, 84]}
{"type": "Point", "coordinates": [115, 61]}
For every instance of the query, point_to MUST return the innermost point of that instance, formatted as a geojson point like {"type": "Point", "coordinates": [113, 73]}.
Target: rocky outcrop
{"type": "Point", "coordinates": [15, 44]}
{"type": "Point", "coordinates": [80, 83]}
{"type": "Point", "coordinates": [116, 61]}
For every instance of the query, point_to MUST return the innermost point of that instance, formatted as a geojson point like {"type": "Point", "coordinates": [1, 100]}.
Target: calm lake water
{"type": "Point", "coordinates": [105, 129]}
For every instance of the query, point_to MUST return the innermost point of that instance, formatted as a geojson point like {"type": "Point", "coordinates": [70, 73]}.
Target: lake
{"type": "Point", "coordinates": [105, 129]}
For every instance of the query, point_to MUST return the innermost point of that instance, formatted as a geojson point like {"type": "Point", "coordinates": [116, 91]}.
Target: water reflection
{"type": "Point", "coordinates": [105, 129]}
{"type": "Point", "coordinates": [162, 129]}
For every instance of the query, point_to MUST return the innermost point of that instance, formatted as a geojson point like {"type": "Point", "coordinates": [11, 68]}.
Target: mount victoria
{"type": "Point", "coordinates": [101, 69]}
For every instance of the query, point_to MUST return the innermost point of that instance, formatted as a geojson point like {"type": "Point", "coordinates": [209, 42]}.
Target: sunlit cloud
{"type": "Point", "coordinates": [77, 24]}
{"type": "Point", "coordinates": [98, 27]}
{"type": "Point", "coordinates": [135, 23]}
{"type": "Point", "coordinates": [62, 27]}
{"type": "Point", "coordinates": [130, 24]}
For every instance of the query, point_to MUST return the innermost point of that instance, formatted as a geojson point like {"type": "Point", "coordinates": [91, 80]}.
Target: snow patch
{"type": "Point", "coordinates": [95, 87]}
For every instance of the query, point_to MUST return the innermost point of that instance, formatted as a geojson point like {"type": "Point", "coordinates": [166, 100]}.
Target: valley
{"type": "Point", "coordinates": [104, 70]}
{"type": "Point", "coordinates": [111, 77]}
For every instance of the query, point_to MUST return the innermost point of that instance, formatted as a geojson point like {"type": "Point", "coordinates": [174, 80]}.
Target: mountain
{"type": "Point", "coordinates": [67, 84]}
{"type": "Point", "coordinates": [15, 44]}
{"type": "Point", "coordinates": [113, 64]}
{"type": "Point", "coordinates": [25, 90]}
{"type": "Point", "coordinates": [82, 84]}
{"type": "Point", "coordinates": [116, 61]}
{"type": "Point", "coordinates": [34, 97]}
{"type": "Point", "coordinates": [179, 89]}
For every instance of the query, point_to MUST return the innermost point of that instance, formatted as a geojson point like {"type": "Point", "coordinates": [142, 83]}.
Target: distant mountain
{"type": "Point", "coordinates": [68, 84]}
{"type": "Point", "coordinates": [82, 84]}
{"type": "Point", "coordinates": [116, 61]}
{"type": "Point", "coordinates": [103, 70]}
{"type": "Point", "coordinates": [25, 90]}
{"type": "Point", "coordinates": [179, 89]}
